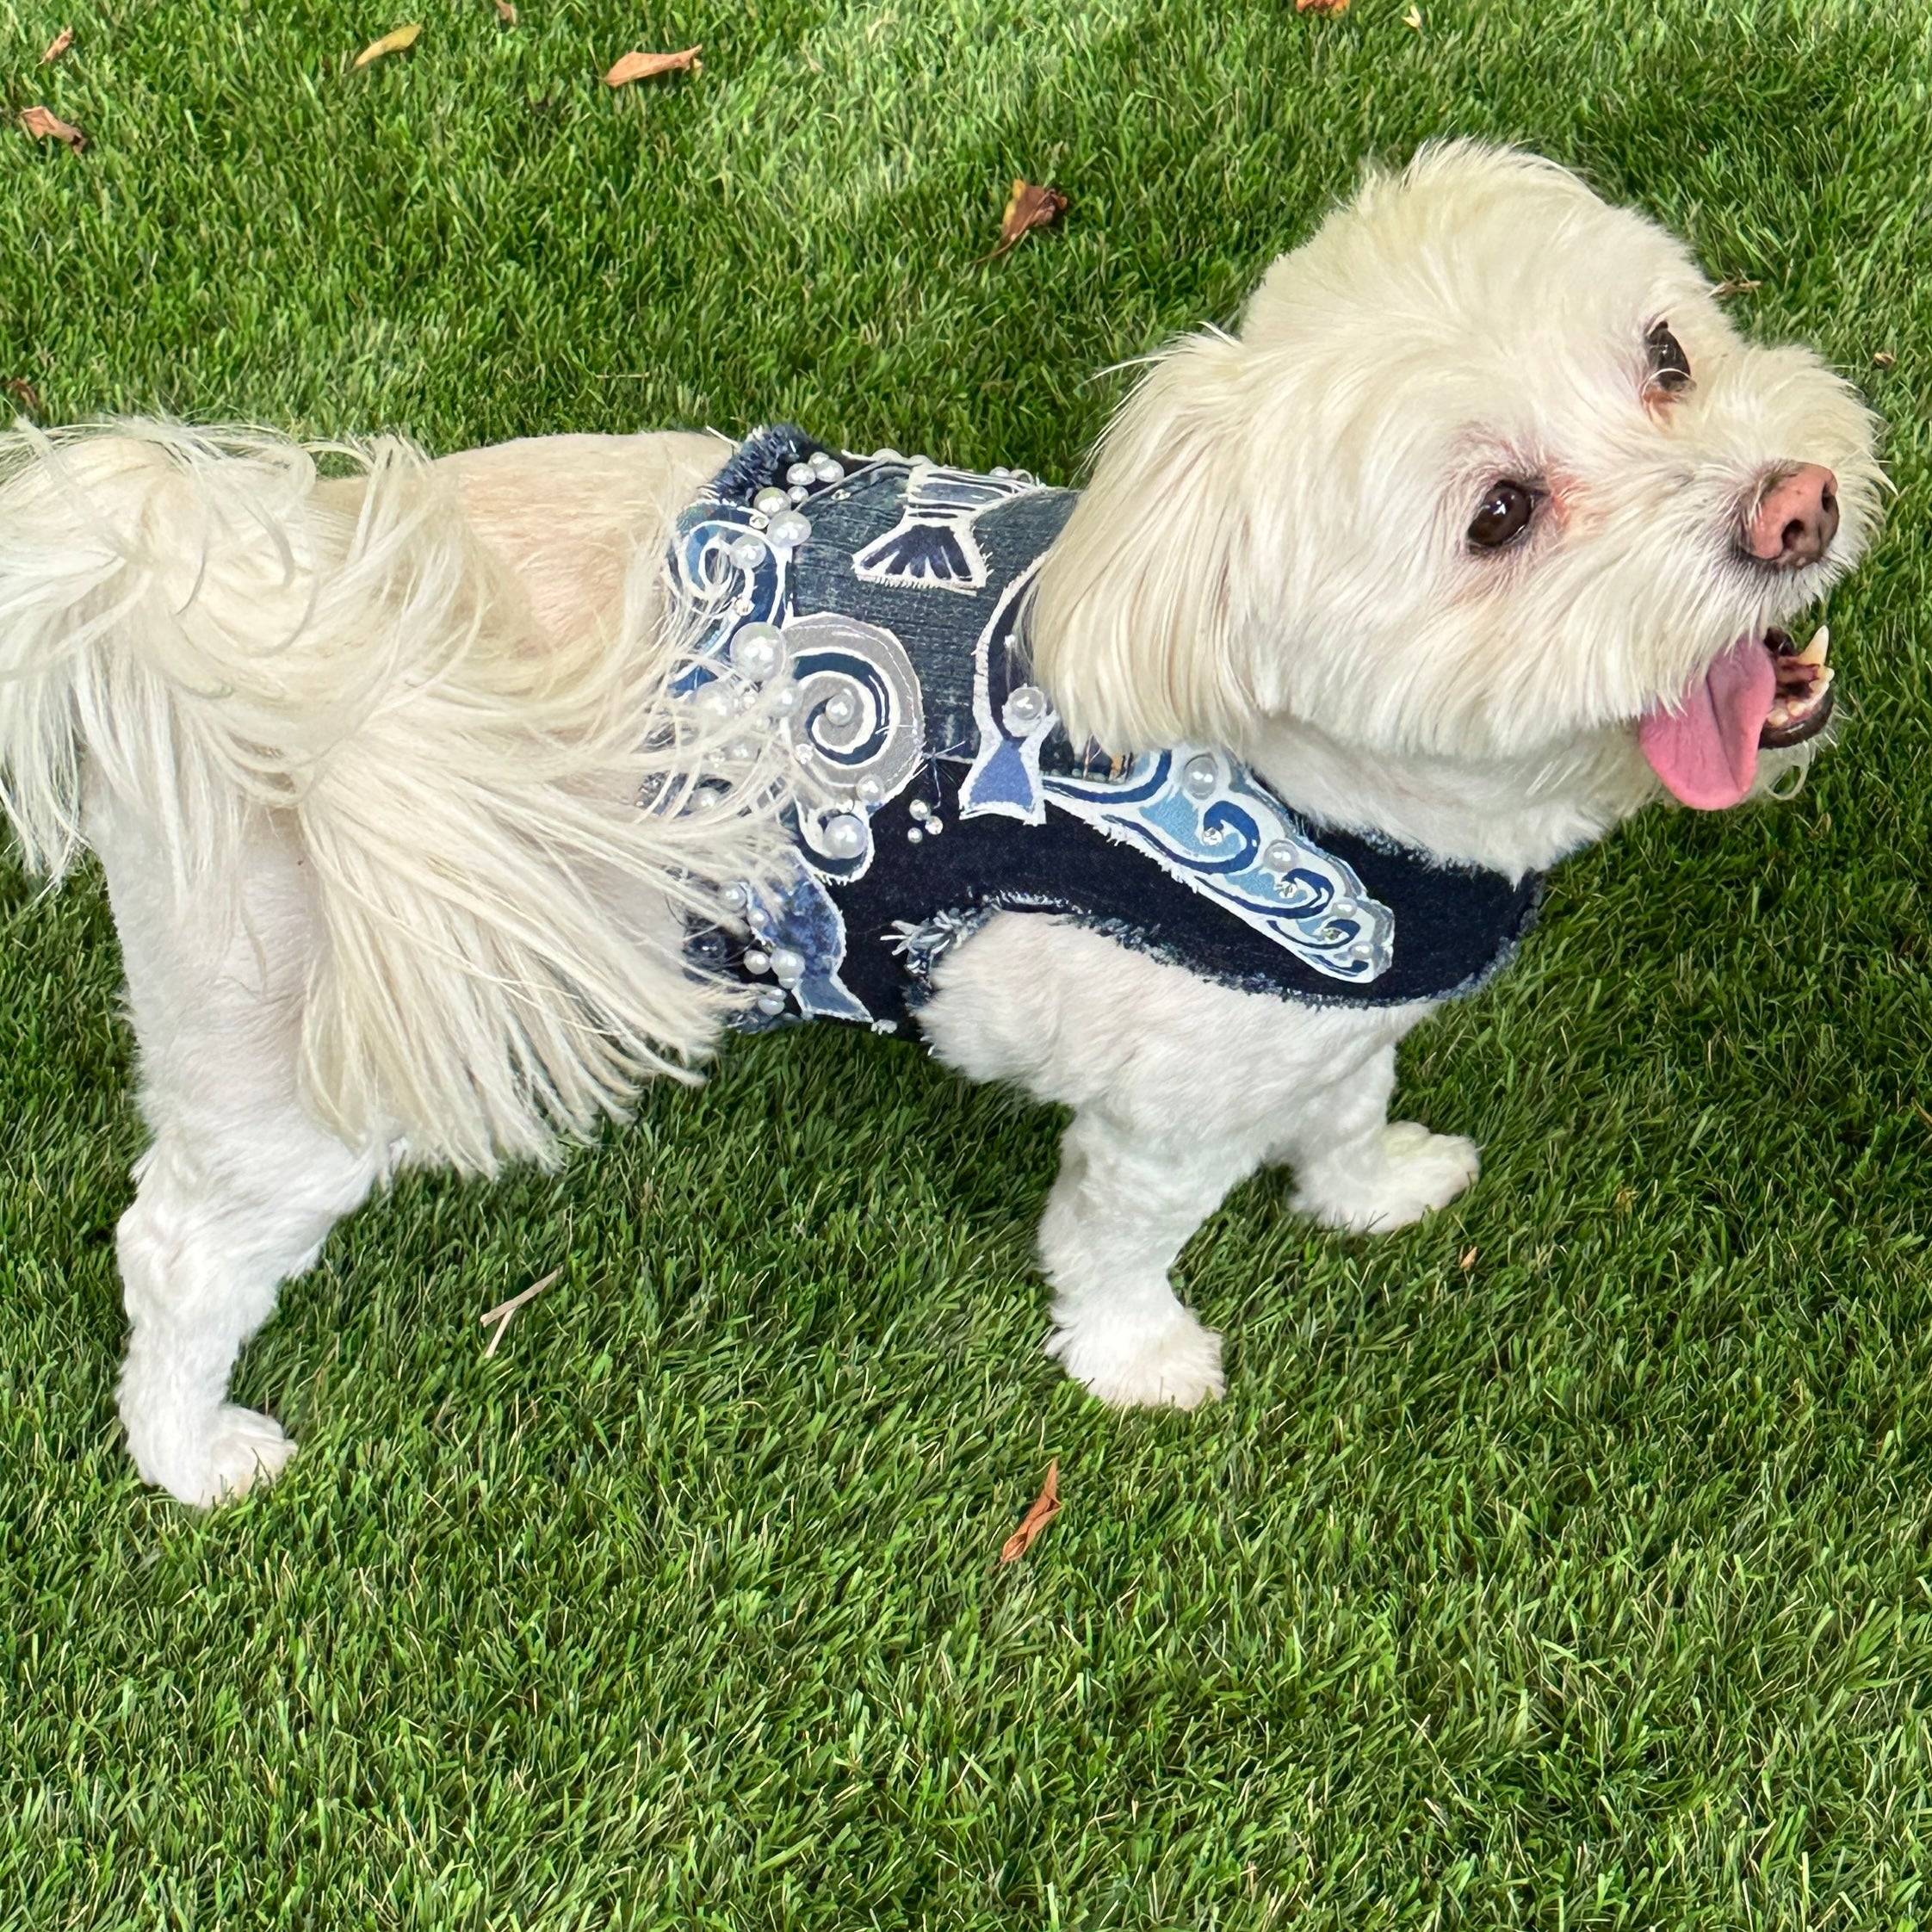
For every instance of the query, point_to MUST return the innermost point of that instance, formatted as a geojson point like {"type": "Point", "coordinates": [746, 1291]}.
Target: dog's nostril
{"type": "Point", "coordinates": [1794, 534]}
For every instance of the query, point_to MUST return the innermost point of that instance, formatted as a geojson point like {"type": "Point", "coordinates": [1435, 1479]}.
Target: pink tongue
{"type": "Point", "coordinates": [1705, 751]}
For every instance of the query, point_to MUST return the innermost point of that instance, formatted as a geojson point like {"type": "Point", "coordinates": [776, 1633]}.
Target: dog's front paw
{"type": "Point", "coordinates": [1176, 1365]}
{"type": "Point", "coordinates": [238, 1449]}
{"type": "Point", "coordinates": [1396, 1178]}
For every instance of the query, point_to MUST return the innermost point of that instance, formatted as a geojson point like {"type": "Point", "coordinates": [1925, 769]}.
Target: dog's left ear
{"type": "Point", "coordinates": [1136, 627]}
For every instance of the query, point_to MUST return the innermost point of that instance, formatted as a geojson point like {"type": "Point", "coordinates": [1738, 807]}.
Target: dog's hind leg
{"type": "Point", "coordinates": [240, 1186]}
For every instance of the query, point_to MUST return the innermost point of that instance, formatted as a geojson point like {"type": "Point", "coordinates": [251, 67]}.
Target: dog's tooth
{"type": "Point", "coordinates": [1814, 651]}
{"type": "Point", "coordinates": [1780, 714]}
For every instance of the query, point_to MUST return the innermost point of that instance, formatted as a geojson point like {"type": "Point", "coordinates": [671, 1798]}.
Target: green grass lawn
{"type": "Point", "coordinates": [1565, 1562]}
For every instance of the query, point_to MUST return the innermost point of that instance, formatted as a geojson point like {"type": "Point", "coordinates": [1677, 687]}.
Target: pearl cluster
{"type": "Point", "coordinates": [926, 821]}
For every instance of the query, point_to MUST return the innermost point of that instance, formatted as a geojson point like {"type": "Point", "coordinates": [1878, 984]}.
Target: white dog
{"type": "Point", "coordinates": [411, 782]}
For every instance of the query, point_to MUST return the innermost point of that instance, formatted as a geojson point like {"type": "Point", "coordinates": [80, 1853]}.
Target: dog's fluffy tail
{"type": "Point", "coordinates": [223, 634]}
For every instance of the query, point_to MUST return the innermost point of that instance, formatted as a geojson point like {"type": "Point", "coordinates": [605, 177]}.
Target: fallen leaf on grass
{"type": "Point", "coordinates": [1328, 7]}
{"type": "Point", "coordinates": [46, 127]}
{"type": "Point", "coordinates": [390, 43]}
{"type": "Point", "coordinates": [506, 13]}
{"type": "Point", "coordinates": [1741, 286]}
{"type": "Point", "coordinates": [1028, 207]}
{"type": "Point", "coordinates": [642, 66]}
{"type": "Point", "coordinates": [58, 45]}
{"type": "Point", "coordinates": [24, 393]}
{"type": "Point", "coordinates": [1412, 19]}
{"type": "Point", "coordinates": [1046, 1507]}
{"type": "Point", "coordinates": [1885, 358]}
{"type": "Point", "coordinates": [1469, 1260]}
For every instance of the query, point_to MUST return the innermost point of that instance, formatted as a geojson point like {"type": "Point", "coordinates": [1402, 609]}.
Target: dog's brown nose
{"type": "Point", "coordinates": [1796, 518]}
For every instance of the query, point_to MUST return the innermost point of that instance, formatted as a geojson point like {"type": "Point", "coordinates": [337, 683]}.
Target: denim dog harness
{"type": "Point", "coordinates": [878, 604]}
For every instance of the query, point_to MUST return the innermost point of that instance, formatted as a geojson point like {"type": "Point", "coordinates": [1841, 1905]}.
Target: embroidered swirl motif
{"type": "Point", "coordinates": [861, 712]}
{"type": "Point", "coordinates": [1207, 822]}
{"type": "Point", "coordinates": [845, 698]}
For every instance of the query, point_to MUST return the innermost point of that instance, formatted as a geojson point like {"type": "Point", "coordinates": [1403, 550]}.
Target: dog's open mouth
{"type": "Point", "coordinates": [1764, 693]}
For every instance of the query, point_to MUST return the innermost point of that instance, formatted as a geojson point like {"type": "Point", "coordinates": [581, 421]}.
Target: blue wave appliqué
{"type": "Point", "coordinates": [1234, 842]}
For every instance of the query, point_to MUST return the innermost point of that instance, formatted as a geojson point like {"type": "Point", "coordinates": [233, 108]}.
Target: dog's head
{"type": "Point", "coordinates": [1487, 475]}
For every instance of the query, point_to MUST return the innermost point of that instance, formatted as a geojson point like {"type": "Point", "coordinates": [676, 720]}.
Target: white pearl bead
{"type": "Point", "coordinates": [841, 708]}
{"type": "Point", "coordinates": [803, 753]}
{"type": "Point", "coordinates": [1201, 777]}
{"type": "Point", "coordinates": [758, 960]}
{"type": "Point", "coordinates": [734, 897]}
{"type": "Point", "coordinates": [798, 492]}
{"type": "Point", "coordinates": [1279, 856]}
{"type": "Point", "coordinates": [1025, 705]}
{"type": "Point", "coordinates": [747, 552]}
{"type": "Point", "coordinates": [935, 827]}
{"type": "Point", "coordinates": [920, 809]}
{"type": "Point", "coordinates": [771, 1004]}
{"type": "Point", "coordinates": [714, 699]}
{"type": "Point", "coordinates": [788, 529]}
{"type": "Point", "coordinates": [845, 836]}
{"type": "Point", "coordinates": [827, 468]}
{"type": "Point", "coordinates": [798, 475]}
{"type": "Point", "coordinates": [788, 967]}
{"type": "Point", "coordinates": [758, 650]}
{"type": "Point", "coordinates": [740, 751]}
{"type": "Point", "coordinates": [870, 790]}
{"type": "Point", "coordinates": [770, 500]}
{"type": "Point", "coordinates": [914, 836]}
{"type": "Point", "coordinates": [784, 700]}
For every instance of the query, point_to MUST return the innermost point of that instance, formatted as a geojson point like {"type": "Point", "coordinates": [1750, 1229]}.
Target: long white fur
{"type": "Point", "coordinates": [222, 632]}
{"type": "Point", "coordinates": [359, 755]}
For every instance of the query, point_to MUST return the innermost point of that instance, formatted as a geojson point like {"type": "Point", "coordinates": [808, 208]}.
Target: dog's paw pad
{"type": "Point", "coordinates": [1178, 1365]}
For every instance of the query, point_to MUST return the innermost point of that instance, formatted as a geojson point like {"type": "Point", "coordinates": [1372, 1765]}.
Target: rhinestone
{"type": "Point", "coordinates": [1025, 705]}
{"type": "Point", "coordinates": [1201, 777]}
{"type": "Point", "coordinates": [920, 809]}
{"type": "Point", "coordinates": [915, 837]}
{"type": "Point", "coordinates": [935, 825]}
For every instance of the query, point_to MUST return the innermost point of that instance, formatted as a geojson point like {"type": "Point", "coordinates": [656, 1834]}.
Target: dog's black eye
{"type": "Point", "coordinates": [1504, 515]}
{"type": "Point", "coordinates": [1669, 367]}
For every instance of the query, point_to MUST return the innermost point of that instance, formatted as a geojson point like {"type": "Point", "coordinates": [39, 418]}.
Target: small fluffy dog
{"type": "Point", "coordinates": [414, 782]}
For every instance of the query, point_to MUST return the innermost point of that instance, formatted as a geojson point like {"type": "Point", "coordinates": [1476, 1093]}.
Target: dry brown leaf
{"type": "Point", "coordinates": [44, 125]}
{"type": "Point", "coordinates": [25, 395]}
{"type": "Point", "coordinates": [1329, 7]}
{"type": "Point", "coordinates": [642, 66]}
{"type": "Point", "coordinates": [506, 13]}
{"type": "Point", "coordinates": [1742, 286]}
{"type": "Point", "coordinates": [1469, 1260]}
{"type": "Point", "coordinates": [58, 44]}
{"type": "Point", "coordinates": [390, 43]}
{"type": "Point", "coordinates": [1046, 1507]}
{"type": "Point", "coordinates": [1027, 208]}
{"type": "Point", "coordinates": [1885, 358]}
